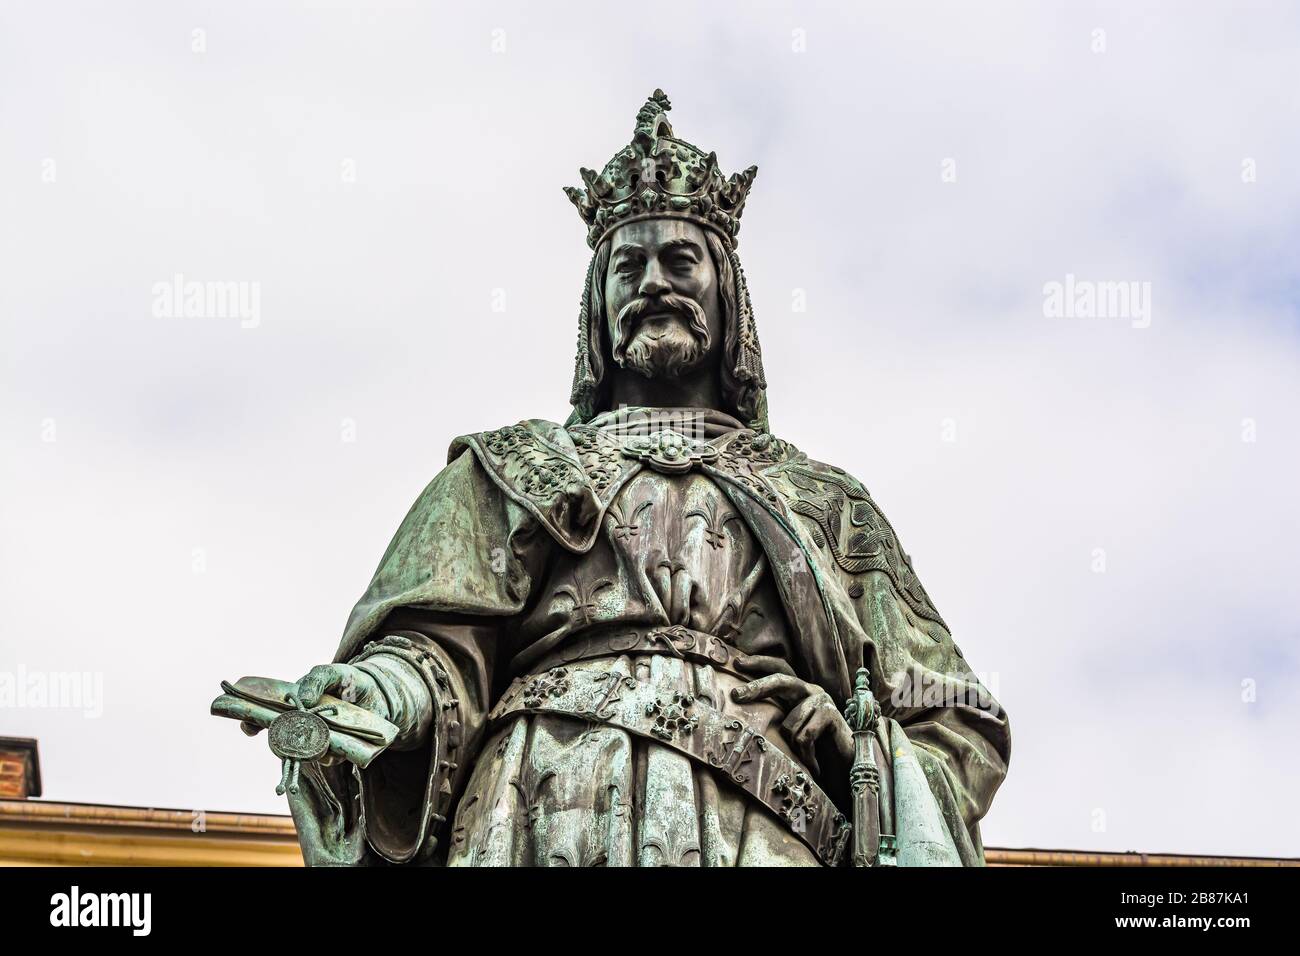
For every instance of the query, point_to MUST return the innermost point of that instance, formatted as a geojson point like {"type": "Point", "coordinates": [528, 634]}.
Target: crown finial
{"type": "Point", "coordinates": [659, 176]}
{"type": "Point", "coordinates": [655, 106]}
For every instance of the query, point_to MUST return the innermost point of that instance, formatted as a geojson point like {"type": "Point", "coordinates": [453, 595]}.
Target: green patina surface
{"type": "Point", "coordinates": [656, 634]}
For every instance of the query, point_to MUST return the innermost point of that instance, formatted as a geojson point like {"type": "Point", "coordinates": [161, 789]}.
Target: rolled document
{"type": "Point", "coordinates": [355, 733]}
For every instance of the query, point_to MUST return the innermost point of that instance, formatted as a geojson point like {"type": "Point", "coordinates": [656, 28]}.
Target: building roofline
{"type": "Point", "coordinates": [42, 814]}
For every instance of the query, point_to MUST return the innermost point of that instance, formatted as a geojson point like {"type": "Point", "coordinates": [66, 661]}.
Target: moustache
{"type": "Point", "coordinates": [669, 302]}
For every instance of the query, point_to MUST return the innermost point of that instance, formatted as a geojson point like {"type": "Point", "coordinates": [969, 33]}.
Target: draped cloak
{"type": "Point", "coordinates": [463, 571]}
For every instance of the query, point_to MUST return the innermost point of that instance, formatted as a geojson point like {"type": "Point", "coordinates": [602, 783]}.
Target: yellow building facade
{"type": "Point", "coordinates": [42, 833]}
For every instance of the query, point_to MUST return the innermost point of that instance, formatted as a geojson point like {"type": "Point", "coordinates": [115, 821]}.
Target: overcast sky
{"type": "Point", "coordinates": [1102, 507]}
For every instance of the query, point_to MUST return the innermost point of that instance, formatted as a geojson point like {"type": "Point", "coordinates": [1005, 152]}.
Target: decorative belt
{"type": "Point", "coordinates": [674, 641]}
{"type": "Point", "coordinates": [693, 728]}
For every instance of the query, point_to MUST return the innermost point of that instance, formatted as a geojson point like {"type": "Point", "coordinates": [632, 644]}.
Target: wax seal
{"type": "Point", "coordinates": [299, 735]}
{"type": "Point", "coordinates": [295, 736]}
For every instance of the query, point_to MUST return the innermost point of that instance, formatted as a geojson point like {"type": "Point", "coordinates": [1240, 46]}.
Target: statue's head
{"type": "Point", "coordinates": [665, 296]}
{"type": "Point", "coordinates": [663, 313]}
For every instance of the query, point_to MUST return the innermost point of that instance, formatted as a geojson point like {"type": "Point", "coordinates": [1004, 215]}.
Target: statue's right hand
{"type": "Point", "coordinates": [343, 681]}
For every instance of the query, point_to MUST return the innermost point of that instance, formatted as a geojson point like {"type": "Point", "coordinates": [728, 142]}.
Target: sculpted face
{"type": "Point", "coordinates": [662, 307]}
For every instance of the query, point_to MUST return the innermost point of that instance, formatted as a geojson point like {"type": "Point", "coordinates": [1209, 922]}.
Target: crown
{"type": "Point", "coordinates": [658, 176]}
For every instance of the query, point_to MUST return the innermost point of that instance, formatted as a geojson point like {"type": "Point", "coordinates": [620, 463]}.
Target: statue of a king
{"type": "Point", "coordinates": [628, 640]}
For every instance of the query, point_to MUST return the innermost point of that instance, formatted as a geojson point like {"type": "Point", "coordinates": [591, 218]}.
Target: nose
{"type": "Point", "coordinates": [653, 281]}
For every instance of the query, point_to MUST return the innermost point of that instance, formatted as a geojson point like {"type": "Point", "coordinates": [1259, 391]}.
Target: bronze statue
{"type": "Point", "coordinates": [627, 640]}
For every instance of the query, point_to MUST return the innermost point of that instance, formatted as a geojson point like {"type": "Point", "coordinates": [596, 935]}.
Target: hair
{"type": "Point", "coordinates": [743, 383]}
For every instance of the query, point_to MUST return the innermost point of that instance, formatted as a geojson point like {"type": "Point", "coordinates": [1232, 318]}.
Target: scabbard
{"type": "Point", "coordinates": [864, 779]}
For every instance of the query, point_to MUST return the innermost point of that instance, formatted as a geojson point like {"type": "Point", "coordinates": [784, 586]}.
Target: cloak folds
{"type": "Point", "coordinates": [461, 570]}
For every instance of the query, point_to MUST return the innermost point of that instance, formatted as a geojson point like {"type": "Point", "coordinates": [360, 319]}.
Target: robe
{"type": "Point", "coordinates": [538, 538]}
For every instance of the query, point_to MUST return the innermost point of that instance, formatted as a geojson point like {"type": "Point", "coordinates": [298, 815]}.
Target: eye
{"type": "Point", "coordinates": [627, 267]}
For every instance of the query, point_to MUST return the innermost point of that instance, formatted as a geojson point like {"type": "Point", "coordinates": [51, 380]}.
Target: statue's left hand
{"type": "Point", "coordinates": [810, 713]}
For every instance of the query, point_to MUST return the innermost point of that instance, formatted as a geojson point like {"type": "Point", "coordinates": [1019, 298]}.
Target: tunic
{"type": "Point", "coordinates": [551, 790]}
{"type": "Point", "coordinates": [654, 576]}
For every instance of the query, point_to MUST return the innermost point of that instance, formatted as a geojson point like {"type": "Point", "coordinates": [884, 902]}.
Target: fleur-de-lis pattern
{"type": "Point", "coordinates": [674, 542]}
{"type": "Point", "coordinates": [630, 526]}
{"type": "Point", "coordinates": [569, 786]}
{"type": "Point", "coordinates": [582, 594]}
{"type": "Point", "coordinates": [714, 523]}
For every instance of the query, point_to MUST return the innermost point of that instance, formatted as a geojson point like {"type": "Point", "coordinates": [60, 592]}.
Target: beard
{"type": "Point", "coordinates": [660, 336]}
